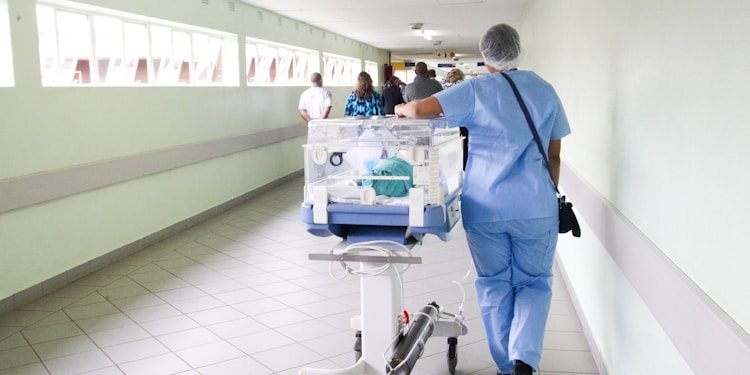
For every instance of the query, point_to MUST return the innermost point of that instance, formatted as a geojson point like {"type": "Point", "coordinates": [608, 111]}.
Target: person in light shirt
{"type": "Point", "coordinates": [508, 201]}
{"type": "Point", "coordinates": [315, 102]}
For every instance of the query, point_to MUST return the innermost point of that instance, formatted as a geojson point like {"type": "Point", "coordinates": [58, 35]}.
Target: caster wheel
{"type": "Point", "coordinates": [357, 346]}
{"type": "Point", "coordinates": [452, 354]}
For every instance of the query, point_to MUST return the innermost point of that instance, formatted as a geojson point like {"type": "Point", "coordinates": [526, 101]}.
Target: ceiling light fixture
{"type": "Point", "coordinates": [416, 25]}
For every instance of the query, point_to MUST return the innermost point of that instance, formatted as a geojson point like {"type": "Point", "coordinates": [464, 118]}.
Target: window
{"type": "Point", "coordinates": [122, 51]}
{"type": "Point", "coordinates": [6, 52]}
{"type": "Point", "coordinates": [129, 51]}
{"type": "Point", "coordinates": [64, 58]}
{"type": "Point", "coordinates": [371, 68]}
{"type": "Point", "coordinates": [272, 64]}
{"type": "Point", "coordinates": [340, 70]}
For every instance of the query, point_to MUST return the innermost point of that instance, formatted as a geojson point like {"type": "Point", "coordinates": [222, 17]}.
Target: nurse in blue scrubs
{"type": "Point", "coordinates": [509, 204]}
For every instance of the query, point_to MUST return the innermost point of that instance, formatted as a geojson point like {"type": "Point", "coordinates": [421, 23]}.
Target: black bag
{"type": "Point", "coordinates": [568, 220]}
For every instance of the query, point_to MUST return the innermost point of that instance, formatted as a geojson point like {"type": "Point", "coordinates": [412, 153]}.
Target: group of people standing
{"type": "Point", "coordinates": [316, 102]}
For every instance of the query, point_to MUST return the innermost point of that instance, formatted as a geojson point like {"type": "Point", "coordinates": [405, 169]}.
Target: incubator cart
{"type": "Point", "coordinates": [381, 184]}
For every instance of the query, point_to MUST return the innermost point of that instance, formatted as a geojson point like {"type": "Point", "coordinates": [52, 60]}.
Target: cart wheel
{"type": "Point", "coordinates": [452, 354]}
{"type": "Point", "coordinates": [357, 346]}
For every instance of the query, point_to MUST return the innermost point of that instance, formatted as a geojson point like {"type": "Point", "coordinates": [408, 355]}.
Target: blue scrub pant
{"type": "Point", "coordinates": [513, 260]}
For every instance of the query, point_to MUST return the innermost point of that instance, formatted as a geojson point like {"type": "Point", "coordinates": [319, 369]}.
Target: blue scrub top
{"type": "Point", "coordinates": [506, 177]}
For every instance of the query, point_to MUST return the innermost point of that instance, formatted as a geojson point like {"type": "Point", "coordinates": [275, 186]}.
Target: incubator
{"type": "Point", "coordinates": [403, 175]}
{"type": "Point", "coordinates": [381, 184]}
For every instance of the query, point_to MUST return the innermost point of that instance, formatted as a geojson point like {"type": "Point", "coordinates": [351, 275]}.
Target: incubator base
{"type": "Point", "coordinates": [380, 305]}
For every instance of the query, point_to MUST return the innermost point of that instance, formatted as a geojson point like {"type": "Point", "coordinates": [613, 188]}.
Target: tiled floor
{"type": "Point", "coordinates": [238, 295]}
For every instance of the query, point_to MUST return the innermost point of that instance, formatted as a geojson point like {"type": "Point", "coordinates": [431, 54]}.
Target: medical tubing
{"type": "Point", "coordinates": [463, 297]}
{"type": "Point", "coordinates": [463, 292]}
{"type": "Point", "coordinates": [369, 245]}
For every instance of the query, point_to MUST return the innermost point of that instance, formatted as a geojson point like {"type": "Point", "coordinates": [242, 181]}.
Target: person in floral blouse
{"type": "Point", "coordinates": [364, 100]}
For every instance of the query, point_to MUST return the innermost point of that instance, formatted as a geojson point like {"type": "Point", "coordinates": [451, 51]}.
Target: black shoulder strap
{"type": "Point", "coordinates": [530, 122]}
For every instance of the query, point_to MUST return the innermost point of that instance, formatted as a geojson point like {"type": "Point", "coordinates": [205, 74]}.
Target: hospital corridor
{"type": "Point", "coordinates": [169, 170]}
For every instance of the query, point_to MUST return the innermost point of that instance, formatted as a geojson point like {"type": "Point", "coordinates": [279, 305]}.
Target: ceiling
{"type": "Point", "coordinates": [385, 24]}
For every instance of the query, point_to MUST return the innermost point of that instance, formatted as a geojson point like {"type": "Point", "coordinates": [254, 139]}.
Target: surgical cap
{"type": "Point", "coordinates": [500, 46]}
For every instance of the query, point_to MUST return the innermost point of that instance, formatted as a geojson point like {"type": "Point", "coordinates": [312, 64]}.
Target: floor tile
{"type": "Point", "coordinates": [104, 322]}
{"type": "Point", "coordinates": [197, 304]}
{"type": "Point", "coordinates": [577, 362]}
{"type": "Point", "coordinates": [21, 318]}
{"type": "Point", "coordinates": [137, 302]}
{"type": "Point", "coordinates": [188, 339]}
{"type": "Point", "coordinates": [561, 340]}
{"type": "Point", "coordinates": [217, 315]}
{"type": "Point", "coordinates": [30, 369]}
{"type": "Point", "coordinates": [49, 303]}
{"type": "Point", "coordinates": [78, 363]}
{"type": "Point", "coordinates": [301, 297]}
{"type": "Point", "coordinates": [157, 365]}
{"type": "Point", "coordinates": [52, 332]}
{"type": "Point", "coordinates": [307, 330]}
{"type": "Point", "coordinates": [209, 354]}
{"type": "Point", "coordinates": [169, 325]}
{"type": "Point", "coordinates": [287, 357]}
{"type": "Point", "coordinates": [135, 350]}
{"type": "Point", "coordinates": [282, 318]}
{"type": "Point", "coordinates": [236, 328]}
{"type": "Point", "coordinates": [64, 347]}
{"type": "Point", "coordinates": [119, 335]}
{"type": "Point", "coordinates": [90, 311]}
{"type": "Point", "coordinates": [240, 295]}
{"type": "Point", "coordinates": [150, 313]}
{"type": "Point", "coordinates": [15, 357]}
{"type": "Point", "coordinates": [260, 341]}
{"type": "Point", "coordinates": [13, 341]}
{"type": "Point", "coordinates": [238, 366]}
{"type": "Point", "coordinates": [260, 306]}
{"type": "Point", "coordinates": [331, 345]}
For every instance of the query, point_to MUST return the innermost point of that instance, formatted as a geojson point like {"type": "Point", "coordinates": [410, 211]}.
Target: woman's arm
{"type": "Point", "coordinates": [419, 108]}
{"type": "Point", "coordinates": [554, 160]}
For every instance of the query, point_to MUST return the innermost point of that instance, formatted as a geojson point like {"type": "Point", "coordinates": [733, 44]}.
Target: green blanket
{"type": "Point", "coordinates": [391, 167]}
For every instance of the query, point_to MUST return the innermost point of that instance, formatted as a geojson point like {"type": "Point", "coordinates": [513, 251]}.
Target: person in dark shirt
{"type": "Point", "coordinates": [392, 95]}
{"type": "Point", "coordinates": [423, 86]}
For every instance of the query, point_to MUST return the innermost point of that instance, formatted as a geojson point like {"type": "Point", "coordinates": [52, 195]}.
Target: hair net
{"type": "Point", "coordinates": [500, 46]}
